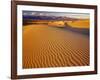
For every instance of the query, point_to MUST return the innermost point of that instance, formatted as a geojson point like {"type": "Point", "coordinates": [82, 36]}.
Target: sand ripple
{"type": "Point", "coordinates": [45, 46]}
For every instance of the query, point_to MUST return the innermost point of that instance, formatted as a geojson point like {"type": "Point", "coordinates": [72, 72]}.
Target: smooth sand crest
{"type": "Point", "coordinates": [45, 46]}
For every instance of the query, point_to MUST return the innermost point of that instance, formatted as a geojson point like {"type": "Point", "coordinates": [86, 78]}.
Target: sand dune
{"type": "Point", "coordinates": [46, 46]}
{"type": "Point", "coordinates": [79, 23]}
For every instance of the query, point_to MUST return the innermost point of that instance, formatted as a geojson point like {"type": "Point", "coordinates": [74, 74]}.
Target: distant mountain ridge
{"type": "Point", "coordinates": [48, 18]}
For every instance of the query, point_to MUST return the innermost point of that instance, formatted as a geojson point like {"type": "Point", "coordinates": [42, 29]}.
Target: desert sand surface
{"type": "Point", "coordinates": [46, 46]}
{"type": "Point", "coordinates": [85, 23]}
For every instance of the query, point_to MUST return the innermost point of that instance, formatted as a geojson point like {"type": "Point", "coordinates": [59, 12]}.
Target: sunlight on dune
{"type": "Point", "coordinates": [79, 23]}
{"type": "Point", "coordinates": [57, 24]}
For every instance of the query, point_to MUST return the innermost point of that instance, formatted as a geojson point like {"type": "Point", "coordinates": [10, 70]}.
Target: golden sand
{"type": "Point", "coordinates": [57, 24]}
{"type": "Point", "coordinates": [45, 46]}
{"type": "Point", "coordinates": [79, 23]}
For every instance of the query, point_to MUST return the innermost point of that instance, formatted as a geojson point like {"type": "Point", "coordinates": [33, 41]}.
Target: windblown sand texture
{"type": "Point", "coordinates": [46, 46]}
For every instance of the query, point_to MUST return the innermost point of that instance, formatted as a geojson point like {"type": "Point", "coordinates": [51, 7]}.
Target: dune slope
{"type": "Point", "coordinates": [45, 46]}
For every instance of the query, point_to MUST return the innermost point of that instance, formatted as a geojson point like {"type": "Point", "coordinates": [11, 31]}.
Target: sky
{"type": "Point", "coordinates": [57, 14]}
